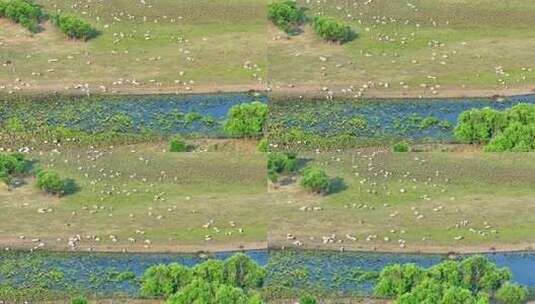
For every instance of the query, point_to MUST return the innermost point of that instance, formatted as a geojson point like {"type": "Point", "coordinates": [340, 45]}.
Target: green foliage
{"type": "Point", "coordinates": [285, 15]}
{"type": "Point", "coordinates": [178, 144]}
{"type": "Point", "coordinates": [515, 138]}
{"type": "Point", "coordinates": [307, 299]}
{"type": "Point", "coordinates": [119, 123]}
{"type": "Point", "coordinates": [13, 125]}
{"type": "Point", "coordinates": [165, 280]}
{"type": "Point", "coordinates": [212, 281]}
{"type": "Point", "coordinates": [479, 125]}
{"type": "Point", "coordinates": [74, 27]}
{"type": "Point", "coordinates": [10, 165]}
{"type": "Point", "coordinates": [330, 29]}
{"type": "Point", "coordinates": [315, 180]}
{"type": "Point", "coordinates": [401, 147]}
{"type": "Point", "coordinates": [246, 119]}
{"type": "Point", "coordinates": [511, 293]}
{"type": "Point", "coordinates": [191, 117]}
{"type": "Point", "coordinates": [282, 162]}
{"type": "Point", "coordinates": [450, 282]}
{"type": "Point", "coordinates": [263, 145]}
{"type": "Point", "coordinates": [429, 121]}
{"type": "Point", "coordinates": [50, 182]}
{"type": "Point", "coordinates": [79, 300]}
{"type": "Point", "coordinates": [24, 12]}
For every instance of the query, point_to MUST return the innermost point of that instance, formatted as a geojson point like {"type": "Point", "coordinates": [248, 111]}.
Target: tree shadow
{"type": "Point", "coordinates": [337, 185]}
{"type": "Point", "coordinates": [70, 187]}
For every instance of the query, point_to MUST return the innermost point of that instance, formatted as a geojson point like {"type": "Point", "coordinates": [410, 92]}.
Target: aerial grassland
{"type": "Point", "coordinates": [408, 48]}
{"type": "Point", "coordinates": [409, 202]}
{"type": "Point", "coordinates": [143, 47]}
{"type": "Point", "coordinates": [140, 198]}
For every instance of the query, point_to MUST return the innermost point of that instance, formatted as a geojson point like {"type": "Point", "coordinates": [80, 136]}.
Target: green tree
{"type": "Point", "coordinates": [210, 271]}
{"type": "Point", "coordinates": [198, 291]}
{"type": "Point", "coordinates": [479, 125]}
{"type": "Point", "coordinates": [515, 138]}
{"type": "Point", "coordinates": [457, 295]}
{"type": "Point", "coordinates": [226, 294]}
{"type": "Point", "coordinates": [285, 15]}
{"type": "Point", "coordinates": [241, 271]}
{"type": "Point", "coordinates": [165, 280]}
{"type": "Point", "coordinates": [395, 280]}
{"type": "Point", "coordinates": [50, 182]}
{"type": "Point", "coordinates": [24, 12]}
{"type": "Point", "coordinates": [511, 293]}
{"type": "Point", "coordinates": [246, 119]}
{"type": "Point", "coordinates": [315, 180]}
{"type": "Point", "coordinates": [330, 29]}
{"type": "Point", "coordinates": [74, 27]}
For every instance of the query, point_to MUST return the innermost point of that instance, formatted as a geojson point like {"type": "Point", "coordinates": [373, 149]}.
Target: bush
{"type": "Point", "coordinates": [401, 147]}
{"type": "Point", "coordinates": [263, 145]}
{"type": "Point", "coordinates": [11, 164]}
{"type": "Point", "coordinates": [74, 27]}
{"type": "Point", "coordinates": [178, 144]}
{"type": "Point", "coordinates": [246, 119]}
{"type": "Point", "coordinates": [307, 299]}
{"type": "Point", "coordinates": [79, 300]}
{"type": "Point", "coordinates": [24, 12]}
{"type": "Point", "coordinates": [315, 180]}
{"type": "Point", "coordinates": [512, 294]}
{"type": "Point", "coordinates": [282, 162]}
{"type": "Point", "coordinates": [50, 182]}
{"type": "Point", "coordinates": [330, 29]}
{"type": "Point", "coordinates": [285, 15]}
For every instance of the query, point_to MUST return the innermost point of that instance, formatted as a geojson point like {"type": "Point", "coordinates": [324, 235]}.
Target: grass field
{"type": "Point", "coordinates": [145, 46]}
{"type": "Point", "coordinates": [415, 48]}
{"type": "Point", "coordinates": [140, 198]}
{"type": "Point", "coordinates": [430, 202]}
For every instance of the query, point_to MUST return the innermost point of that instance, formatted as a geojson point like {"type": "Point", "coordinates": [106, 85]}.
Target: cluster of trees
{"type": "Point", "coordinates": [281, 163]}
{"type": "Point", "coordinates": [24, 12]}
{"type": "Point", "coordinates": [330, 29]}
{"type": "Point", "coordinates": [10, 166]}
{"type": "Point", "coordinates": [474, 280]}
{"type": "Point", "coordinates": [509, 130]}
{"type": "Point", "coordinates": [232, 281]}
{"type": "Point", "coordinates": [74, 27]}
{"type": "Point", "coordinates": [314, 179]}
{"type": "Point", "coordinates": [246, 119]}
{"type": "Point", "coordinates": [286, 15]}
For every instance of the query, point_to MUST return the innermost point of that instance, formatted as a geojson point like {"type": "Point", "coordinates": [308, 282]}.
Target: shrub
{"type": "Point", "coordinates": [241, 271]}
{"type": "Point", "coordinates": [246, 119]}
{"type": "Point", "coordinates": [282, 162]}
{"type": "Point", "coordinates": [512, 294]}
{"type": "Point", "coordinates": [307, 299]}
{"type": "Point", "coordinates": [401, 147]}
{"type": "Point", "coordinates": [285, 15]}
{"type": "Point", "coordinates": [315, 180]}
{"type": "Point", "coordinates": [79, 300]}
{"type": "Point", "coordinates": [50, 182]}
{"type": "Point", "coordinates": [330, 29]}
{"type": "Point", "coordinates": [263, 145]}
{"type": "Point", "coordinates": [74, 27]}
{"type": "Point", "coordinates": [24, 12]}
{"type": "Point", "coordinates": [429, 121]}
{"type": "Point", "coordinates": [11, 164]}
{"type": "Point", "coordinates": [178, 144]}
